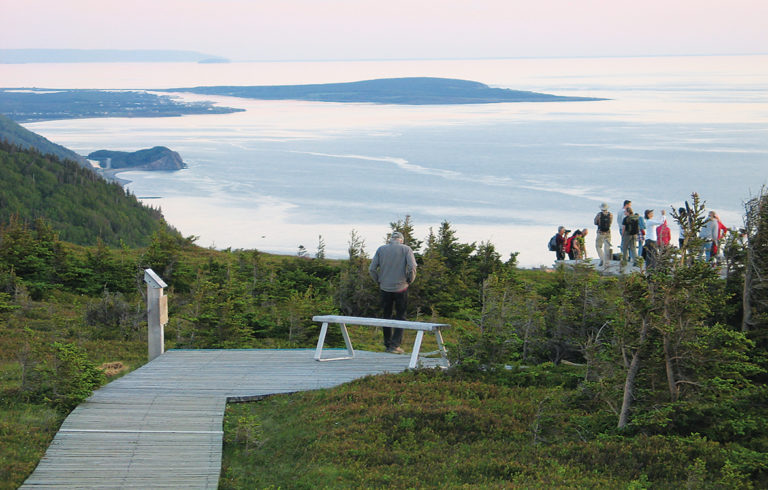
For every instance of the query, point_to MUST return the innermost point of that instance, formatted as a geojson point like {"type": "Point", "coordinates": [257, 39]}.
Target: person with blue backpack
{"type": "Point", "coordinates": [557, 243]}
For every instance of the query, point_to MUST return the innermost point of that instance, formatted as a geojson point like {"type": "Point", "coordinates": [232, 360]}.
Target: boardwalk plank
{"type": "Point", "coordinates": [161, 425]}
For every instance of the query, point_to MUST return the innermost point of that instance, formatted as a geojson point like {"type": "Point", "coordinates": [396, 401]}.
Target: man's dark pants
{"type": "Point", "coordinates": [399, 301]}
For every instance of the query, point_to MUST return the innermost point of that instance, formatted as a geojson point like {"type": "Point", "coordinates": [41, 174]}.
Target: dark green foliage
{"type": "Point", "coordinates": [444, 285]}
{"type": "Point", "coordinates": [405, 226]}
{"type": "Point", "coordinates": [112, 317]}
{"type": "Point", "coordinates": [754, 242]}
{"type": "Point", "coordinates": [35, 257]}
{"type": "Point", "coordinates": [164, 257]}
{"type": "Point", "coordinates": [80, 205]}
{"type": "Point", "coordinates": [357, 293]}
{"type": "Point", "coordinates": [535, 321]}
{"type": "Point", "coordinates": [579, 305]}
{"type": "Point", "coordinates": [33, 254]}
{"type": "Point", "coordinates": [63, 376]}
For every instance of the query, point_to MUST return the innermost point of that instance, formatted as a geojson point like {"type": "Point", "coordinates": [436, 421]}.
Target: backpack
{"type": "Point", "coordinates": [568, 245]}
{"type": "Point", "coordinates": [632, 224]}
{"type": "Point", "coordinates": [603, 222]}
{"type": "Point", "coordinates": [663, 234]}
{"type": "Point", "coordinates": [552, 245]}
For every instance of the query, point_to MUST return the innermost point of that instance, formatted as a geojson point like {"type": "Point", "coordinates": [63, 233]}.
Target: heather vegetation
{"type": "Point", "coordinates": [560, 378]}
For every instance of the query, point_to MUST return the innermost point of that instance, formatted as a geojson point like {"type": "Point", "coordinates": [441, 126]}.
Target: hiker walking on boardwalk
{"type": "Point", "coordinates": [603, 221]}
{"type": "Point", "coordinates": [393, 267]}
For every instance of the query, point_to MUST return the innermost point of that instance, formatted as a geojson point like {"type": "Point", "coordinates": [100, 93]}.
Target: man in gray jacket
{"type": "Point", "coordinates": [393, 268]}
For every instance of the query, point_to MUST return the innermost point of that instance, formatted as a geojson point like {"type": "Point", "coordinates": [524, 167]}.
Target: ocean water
{"type": "Point", "coordinates": [283, 173]}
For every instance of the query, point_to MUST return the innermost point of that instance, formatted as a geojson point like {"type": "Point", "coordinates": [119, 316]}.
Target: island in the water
{"type": "Point", "coordinates": [29, 105]}
{"type": "Point", "coordinates": [157, 158]}
{"type": "Point", "coordinates": [410, 91]}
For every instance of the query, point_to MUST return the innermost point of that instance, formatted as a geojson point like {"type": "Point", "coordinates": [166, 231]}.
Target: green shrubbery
{"type": "Point", "coordinates": [62, 376]}
{"type": "Point", "coordinates": [426, 429]}
{"type": "Point", "coordinates": [560, 378]}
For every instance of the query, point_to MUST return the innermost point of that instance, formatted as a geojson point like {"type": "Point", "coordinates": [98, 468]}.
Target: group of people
{"type": "Point", "coordinates": [641, 236]}
{"type": "Point", "coordinates": [563, 243]}
{"type": "Point", "coordinates": [393, 266]}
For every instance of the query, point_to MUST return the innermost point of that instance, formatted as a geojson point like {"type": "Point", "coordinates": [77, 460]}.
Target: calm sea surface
{"type": "Point", "coordinates": [284, 173]}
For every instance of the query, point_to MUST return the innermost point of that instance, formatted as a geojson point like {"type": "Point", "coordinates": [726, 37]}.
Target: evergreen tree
{"type": "Point", "coordinates": [405, 226]}
{"type": "Point", "coordinates": [357, 293]}
{"type": "Point", "coordinates": [320, 248]}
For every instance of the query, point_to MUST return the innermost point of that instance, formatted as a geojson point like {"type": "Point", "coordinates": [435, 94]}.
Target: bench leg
{"type": "Point", "coordinates": [348, 342]}
{"type": "Point", "coordinates": [321, 343]}
{"type": "Point", "coordinates": [441, 346]}
{"type": "Point", "coordinates": [416, 348]}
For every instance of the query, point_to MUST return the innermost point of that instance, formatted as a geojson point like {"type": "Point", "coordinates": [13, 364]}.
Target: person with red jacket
{"type": "Point", "coordinates": [722, 230]}
{"type": "Point", "coordinates": [571, 245]}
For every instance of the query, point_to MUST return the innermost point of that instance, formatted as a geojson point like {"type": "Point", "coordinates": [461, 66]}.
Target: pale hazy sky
{"type": "Point", "coordinates": [368, 29]}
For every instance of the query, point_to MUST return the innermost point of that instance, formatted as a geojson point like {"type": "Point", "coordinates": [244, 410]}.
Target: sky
{"type": "Point", "coordinates": [250, 30]}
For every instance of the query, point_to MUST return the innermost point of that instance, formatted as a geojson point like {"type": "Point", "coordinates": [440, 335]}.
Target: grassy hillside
{"type": "Point", "coordinates": [80, 205]}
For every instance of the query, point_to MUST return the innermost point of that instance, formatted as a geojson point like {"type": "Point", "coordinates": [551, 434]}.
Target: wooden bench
{"type": "Point", "coordinates": [343, 321]}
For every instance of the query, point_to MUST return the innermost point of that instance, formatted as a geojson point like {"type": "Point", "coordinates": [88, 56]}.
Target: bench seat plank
{"type": "Point", "coordinates": [380, 322]}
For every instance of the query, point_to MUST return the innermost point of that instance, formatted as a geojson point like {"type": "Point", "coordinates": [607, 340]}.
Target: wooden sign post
{"type": "Point", "coordinates": [157, 313]}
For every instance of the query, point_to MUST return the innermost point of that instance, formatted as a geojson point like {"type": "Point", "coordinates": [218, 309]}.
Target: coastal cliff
{"type": "Point", "coordinates": [157, 158]}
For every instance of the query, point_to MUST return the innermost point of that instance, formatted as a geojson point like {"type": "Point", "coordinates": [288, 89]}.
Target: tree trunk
{"type": "Point", "coordinates": [629, 384]}
{"type": "Point", "coordinates": [746, 296]}
{"type": "Point", "coordinates": [670, 371]}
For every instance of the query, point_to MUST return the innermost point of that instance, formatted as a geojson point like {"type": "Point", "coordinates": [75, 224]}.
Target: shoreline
{"type": "Point", "coordinates": [111, 176]}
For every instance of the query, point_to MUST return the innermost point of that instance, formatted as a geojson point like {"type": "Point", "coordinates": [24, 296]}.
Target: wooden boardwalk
{"type": "Point", "coordinates": [161, 425]}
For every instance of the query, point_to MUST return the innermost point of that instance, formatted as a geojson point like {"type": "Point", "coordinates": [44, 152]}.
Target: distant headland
{"type": "Point", "coordinates": [408, 91]}
{"type": "Point", "coordinates": [106, 56]}
{"type": "Point", "coordinates": [157, 158]}
{"type": "Point", "coordinates": [37, 104]}
{"type": "Point", "coordinates": [152, 159]}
